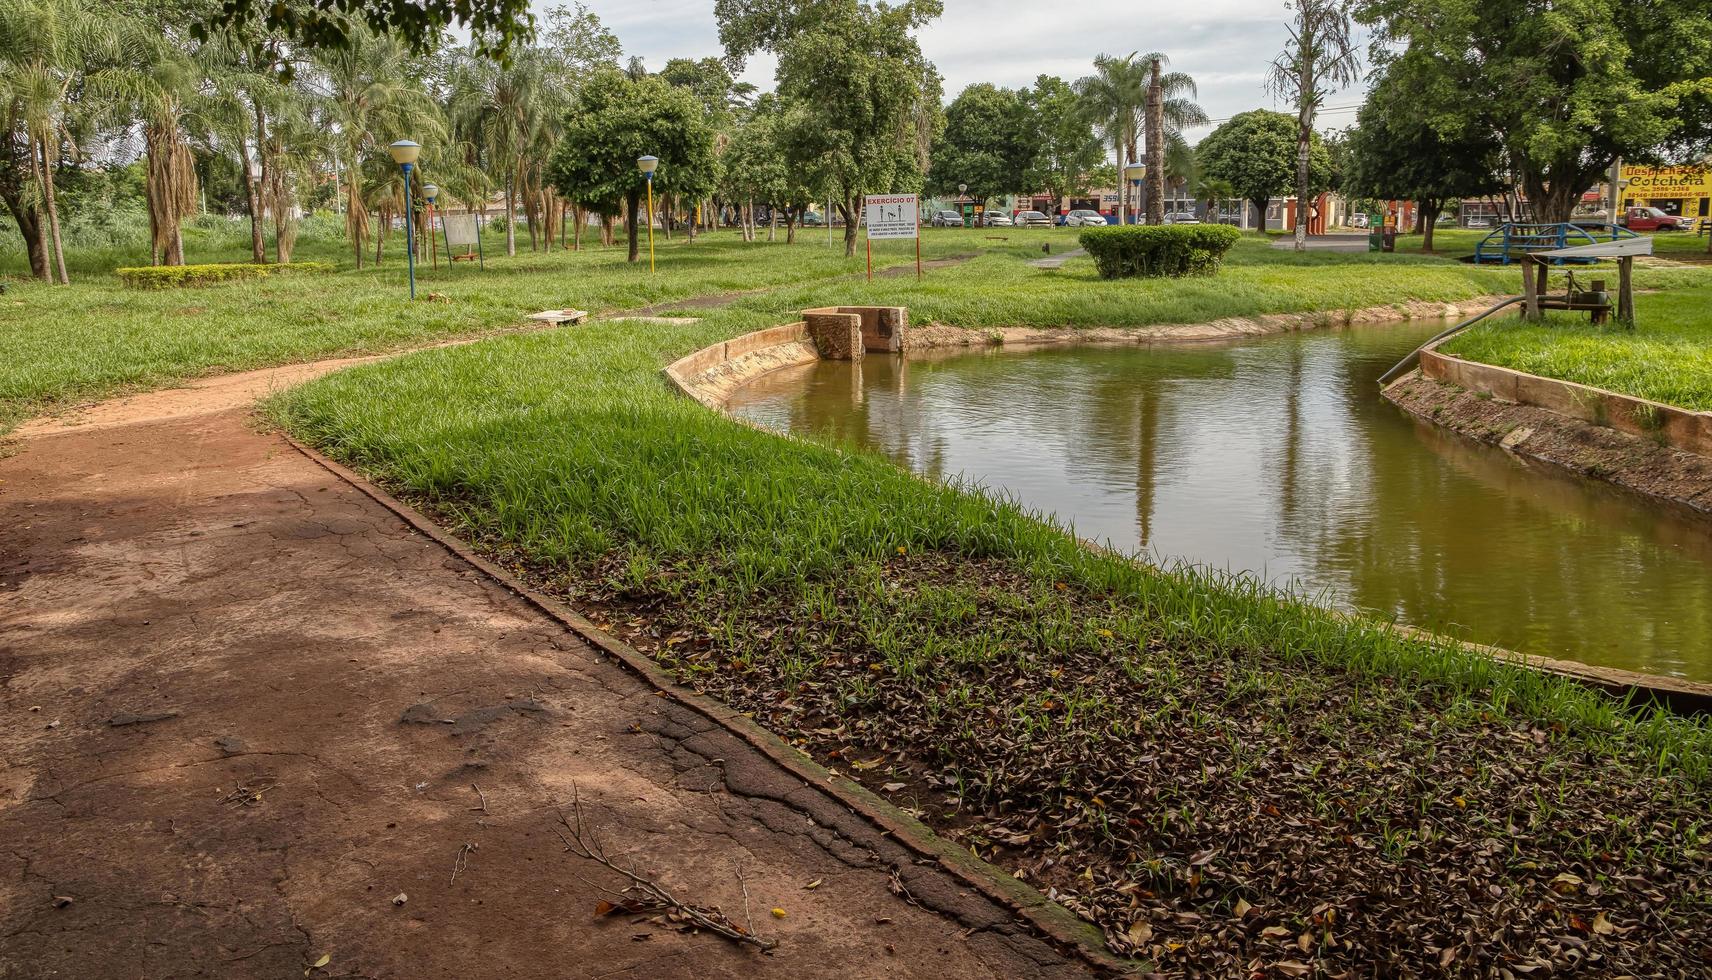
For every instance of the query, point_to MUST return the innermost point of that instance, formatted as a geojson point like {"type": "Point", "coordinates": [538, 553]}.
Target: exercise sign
{"type": "Point", "coordinates": [892, 215]}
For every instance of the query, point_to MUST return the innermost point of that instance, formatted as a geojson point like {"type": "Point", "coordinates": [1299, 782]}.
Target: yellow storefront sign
{"type": "Point", "coordinates": [1684, 190]}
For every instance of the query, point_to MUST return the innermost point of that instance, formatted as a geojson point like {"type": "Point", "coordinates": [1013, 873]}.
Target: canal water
{"type": "Point", "coordinates": [1277, 457]}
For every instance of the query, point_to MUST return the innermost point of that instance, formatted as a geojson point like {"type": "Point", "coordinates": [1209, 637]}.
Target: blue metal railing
{"type": "Point", "coordinates": [1508, 244]}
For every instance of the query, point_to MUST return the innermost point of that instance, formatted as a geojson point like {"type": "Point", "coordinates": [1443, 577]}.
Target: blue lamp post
{"type": "Point", "coordinates": [648, 164]}
{"type": "Point", "coordinates": [1135, 171]}
{"type": "Point", "coordinates": [404, 153]}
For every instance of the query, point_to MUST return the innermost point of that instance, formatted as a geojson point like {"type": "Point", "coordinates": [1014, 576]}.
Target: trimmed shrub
{"type": "Point", "coordinates": [1120, 251]}
{"type": "Point", "coordinates": [177, 276]}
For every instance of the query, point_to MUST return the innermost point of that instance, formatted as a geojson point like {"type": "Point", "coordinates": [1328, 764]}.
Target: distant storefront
{"type": "Point", "coordinates": [1683, 190]}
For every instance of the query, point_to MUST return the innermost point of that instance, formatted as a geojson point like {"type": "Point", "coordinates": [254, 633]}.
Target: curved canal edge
{"type": "Point", "coordinates": [714, 373]}
{"type": "Point", "coordinates": [711, 375]}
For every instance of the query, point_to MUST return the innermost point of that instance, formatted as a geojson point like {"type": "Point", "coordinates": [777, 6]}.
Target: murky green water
{"type": "Point", "coordinates": [1278, 457]}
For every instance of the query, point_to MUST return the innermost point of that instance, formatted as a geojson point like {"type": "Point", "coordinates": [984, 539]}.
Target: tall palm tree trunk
{"type": "Point", "coordinates": [1155, 148]}
{"type": "Point", "coordinates": [253, 185]}
{"type": "Point", "coordinates": [510, 217]}
{"type": "Point", "coordinates": [44, 173]}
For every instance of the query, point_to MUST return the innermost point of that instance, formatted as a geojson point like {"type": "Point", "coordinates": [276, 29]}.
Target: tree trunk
{"type": "Point", "coordinates": [1155, 149]}
{"type": "Point", "coordinates": [1305, 71]}
{"type": "Point", "coordinates": [790, 227]}
{"type": "Point", "coordinates": [848, 210]}
{"type": "Point", "coordinates": [15, 175]}
{"type": "Point", "coordinates": [351, 220]}
{"type": "Point", "coordinates": [1123, 181]}
{"type": "Point", "coordinates": [52, 203]}
{"type": "Point", "coordinates": [772, 223]}
{"type": "Point", "coordinates": [1429, 216]}
{"type": "Point", "coordinates": [252, 185]}
{"type": "Point", "coordinates": [510, 218]}
{"type": "Point", "coordinates": [632, 203]}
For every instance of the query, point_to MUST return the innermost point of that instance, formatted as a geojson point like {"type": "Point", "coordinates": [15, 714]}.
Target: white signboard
{"type": "Point", "coordinates": [892, 215]}
{"type": "Point", "coordinates": [460, 229]}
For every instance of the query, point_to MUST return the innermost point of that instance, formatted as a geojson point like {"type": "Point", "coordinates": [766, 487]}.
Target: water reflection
{"type": "Point", "coordinates": [1277, 457]}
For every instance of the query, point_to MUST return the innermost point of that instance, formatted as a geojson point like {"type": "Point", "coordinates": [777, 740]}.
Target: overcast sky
{"type": "Point", "coordinates": [1225, 45]}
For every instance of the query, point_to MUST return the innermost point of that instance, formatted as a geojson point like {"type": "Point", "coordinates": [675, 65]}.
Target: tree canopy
{"type": "Point", "coordinates": [1395, 153]}
{"type": "Point", "coordinates": [1566, 88]}
{"type": "Point", "coordinates": [863, 103]}
{"type": "Point", "coordinates": [988, 144]}
{"type": "Point", "coordinates": [614, 120]}
{"type": "Point", "coordinates": [1255, 154]}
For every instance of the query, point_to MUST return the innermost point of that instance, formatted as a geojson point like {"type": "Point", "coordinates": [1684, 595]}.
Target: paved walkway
{"type": "Point", "coordinates": [1057, 261]}
{"type": "Point", "coordinates": [244, 707]}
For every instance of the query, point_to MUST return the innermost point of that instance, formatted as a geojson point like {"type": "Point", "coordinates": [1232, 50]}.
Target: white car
{"type": "Point", "coordinates": [1182, 218]}
{"type": "Point", "coordinates": [1082, 217]}
{"type": "Point", "coordinates": [1031, 219]}
{"type": "Point", "coordinates": [995, 219]}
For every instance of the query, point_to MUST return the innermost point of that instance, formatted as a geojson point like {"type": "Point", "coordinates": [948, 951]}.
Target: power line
{"type": "Point", "coordinates": [1319, 112]}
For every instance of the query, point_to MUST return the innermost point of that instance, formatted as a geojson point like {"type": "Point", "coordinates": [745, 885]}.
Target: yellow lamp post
{"type": "Point", "coordinates": [649, 164]}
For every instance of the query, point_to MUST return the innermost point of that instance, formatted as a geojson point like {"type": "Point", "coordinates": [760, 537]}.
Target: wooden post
{"type": "Point", "coordinates": [1542, 287]}
{"type": "Point", "coordinates": [1626, 291]}
{"type": "Point", "coordinates": [1530, 292]}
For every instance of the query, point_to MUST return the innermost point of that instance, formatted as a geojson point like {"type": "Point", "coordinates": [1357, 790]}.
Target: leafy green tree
{"type": "Point", "coordinates": [615, 119]}
{"type": "Point", "coordinates": [1066, 148]}
{"type": "Point", "coordinates": [988, 144]}
{"type": "Point", "coordinates": [1567, 87]}
{"type": "Point", "coordinates": [1255, 154]}
{"type": "Point", "coordinates": [1395, 153]}
{"type": "Point", "coordinates": [862, 103]}
{"type": "Point", "coordinates": [421, 25]}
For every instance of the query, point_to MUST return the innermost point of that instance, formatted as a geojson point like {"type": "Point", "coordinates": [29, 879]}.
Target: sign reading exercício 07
{"type": "Point", "coordinates": [891, 215]}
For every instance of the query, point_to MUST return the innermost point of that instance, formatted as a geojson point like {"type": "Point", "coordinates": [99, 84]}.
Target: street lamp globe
{"type": "Point", "coordinates": [648, 164]}
{"type": "Point", "coordinates": [430, 192]}
{"type": "Point", "coordinates": [1134, 170]}
{"type": "Point", "coordinates": [405, 152]}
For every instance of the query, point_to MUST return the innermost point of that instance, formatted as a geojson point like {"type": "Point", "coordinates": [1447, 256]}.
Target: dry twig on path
{"type": "Point", "coordinates": [643, 895]}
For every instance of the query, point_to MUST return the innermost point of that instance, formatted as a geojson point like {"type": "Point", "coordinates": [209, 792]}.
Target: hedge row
{"type": "Point", "coordinates": [1158, 250]}
{"type": "Point", "coordinates": [176, 276]}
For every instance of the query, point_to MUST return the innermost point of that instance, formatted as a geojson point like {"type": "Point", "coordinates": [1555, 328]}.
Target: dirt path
{"type": "Point", "coordinates": [245, 706]}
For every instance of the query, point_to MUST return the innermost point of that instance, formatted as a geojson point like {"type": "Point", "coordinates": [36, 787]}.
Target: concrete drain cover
{"type": "Point", "coordinates": [559, 316]}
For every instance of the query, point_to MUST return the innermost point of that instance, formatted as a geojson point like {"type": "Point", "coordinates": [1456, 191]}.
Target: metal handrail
{"type": "Point", "coordinates": [1415, 355]}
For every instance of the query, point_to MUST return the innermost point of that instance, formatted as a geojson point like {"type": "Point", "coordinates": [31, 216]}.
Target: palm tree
{"type": "Point", "coordinates": [369, 97]}
{"type": "Point", "coordinates": [157, 81]}
{"type": "Point", "coordinates": [502, 110]}
{"type": "Point", "coordinates": [1114, 98]}
{"type": "Point", "coordinates": [1171, 109]}
{"type": "Point", "coordinates": [45, 46]}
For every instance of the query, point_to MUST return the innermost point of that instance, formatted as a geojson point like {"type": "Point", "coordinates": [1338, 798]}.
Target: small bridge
{"type": "Point", "coordinates": [1509, 243]}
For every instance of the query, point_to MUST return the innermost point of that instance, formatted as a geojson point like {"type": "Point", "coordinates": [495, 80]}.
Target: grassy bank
{"type": "Point", "coordinates": [1218, 776]}
{"type": "Point", "coordinates": [95, 338]}
{"type": "Point", "coordinates": [1667, 357]}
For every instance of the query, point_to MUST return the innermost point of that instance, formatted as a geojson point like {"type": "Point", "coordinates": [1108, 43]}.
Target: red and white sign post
{"type": "Point", "coordinates": [892, 216]}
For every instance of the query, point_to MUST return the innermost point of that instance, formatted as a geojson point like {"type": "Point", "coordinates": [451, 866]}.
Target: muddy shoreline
{"type": "Point", "coordinates": [1632, 462]}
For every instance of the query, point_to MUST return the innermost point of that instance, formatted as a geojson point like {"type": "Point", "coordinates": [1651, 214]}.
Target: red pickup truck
{"type": "Point", "coordinates": [1652, 219]}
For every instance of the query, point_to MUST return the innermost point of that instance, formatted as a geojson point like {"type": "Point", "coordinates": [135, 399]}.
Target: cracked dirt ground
{"type": "Point", "coordinates": [244, 707]}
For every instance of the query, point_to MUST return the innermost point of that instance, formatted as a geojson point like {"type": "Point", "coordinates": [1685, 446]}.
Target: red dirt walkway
{"type": "Point", "coordinates": [242, 707]}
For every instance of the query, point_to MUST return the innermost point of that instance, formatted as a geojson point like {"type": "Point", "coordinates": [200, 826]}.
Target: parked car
{"type": "Point", "coordinates": [813, 218]}
{"type": "Point", "coordinates": [1182, 218]}
{"type": "Point", "coordinates": [1652, 219]}
{"type": "Point", "coordinates": [996, 219]}
{"type": "Point", "coordinates": [1082, 217]}
{"type": "Point", "coordinates": [946, 219]}
{"type": "Point", "coordinates": [1031, 219]}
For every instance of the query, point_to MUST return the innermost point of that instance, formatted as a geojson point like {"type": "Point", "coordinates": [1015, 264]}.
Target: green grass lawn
{"type": "Point", "coordinates": [94, 338]}
{"type": "Point", "coordinates": [1155, 745]}
{"type": "Point", "coordinates": [1667, 357]}
{"type": "Point", "coordinates": [1101, 725]}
